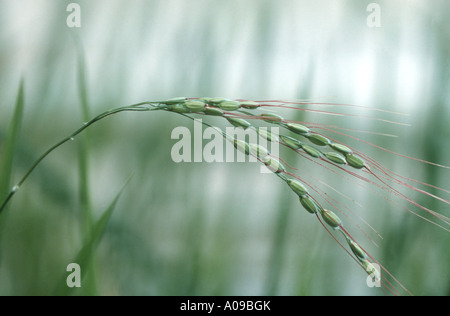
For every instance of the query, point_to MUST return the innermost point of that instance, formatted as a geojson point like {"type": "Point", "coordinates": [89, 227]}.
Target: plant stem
{"type": "Point", "coordinates": [134, 107]}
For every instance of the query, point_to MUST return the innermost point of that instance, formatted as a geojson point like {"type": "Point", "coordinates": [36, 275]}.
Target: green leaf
{"type": "Point", "coordinates": [83, 152]}
{"type": "Point", "coordinates": [7, 155]}
{"type": "Point", "coordinates": [10, 144]}
{"type": "Point", "coordinates": [84, 256]}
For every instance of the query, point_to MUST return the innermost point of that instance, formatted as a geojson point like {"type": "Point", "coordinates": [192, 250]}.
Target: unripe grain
{"type": "Point", "coordinates": [259, 152]}
{"type": "Point", "coordinates": [357, 251]}
{"type": "Point", "coordinates": [272, 118]}
{"type": "Point", "coordinates": [309, 204]}
{"type": "Point", "coordinates": [341, 148]}
{"type": "Point", "coordinates": [318, 140]}
{"type": "Point", "coordinates": [229, 105]}
{"type": "Point", "coordinates": [331, 219]}
{"type": "Point", "coordinates": [336, 158]}
{"type": "Point", "coordinates": [250, 105]}
{"type": "Point", "coordinates": [274, 165]}
{"type": "Point", "coordinates": [355, 161]}
{"type": "Point", "coordinates": [241, 146]}
{"type": "Point", "coordinates": [237, 122]}
{"type": "Point", "coordinates": [195, 106]}
{"type": "Point", "coordinates": [298, 128]}
{"type": "Point", "coordinates": [291, 142]}
{"type": "Point", "coordinates": [213, 111]}
{"type": "Point", "coordinates": [297, 187]}
{"type": "Point", "coordinates": [311, 151]}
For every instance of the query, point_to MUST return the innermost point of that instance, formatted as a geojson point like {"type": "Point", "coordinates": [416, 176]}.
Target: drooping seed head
{"type": "Point", "coordinates": [309, 204]}
{"type": "Point", "coordinates": [251, 105]}
{"type": "Point", "coordinates": [213, 111]}
{"type": "Point", "coordinates": [195, 106]}
{"type": "Point", "coordinates": [259, 151]}
{"type": "Point", "coordinates": [242, 146]}
{"type": "Point", "coordinates": [272, 118]}
{"type": "Point", "coordinates": [297, 187]}
{"type": "Point", "coordinates": [341, 148]}
{"type": "Point", "coordinates": [237, 122]}
{"type": "Point", "coordinates": [355, 161]}
{"type": "Point", "coordinates": [274, 165]}
{"type": "Point", "coordinates": [331, 219]}
{"type": "Point", "coordinates": [310, 150]}
{"type": "Point", "coordinates": [291, 142]}
{"type": "Point", "coordinates": [298, 128]}
{"type": "Point", "coordinates": [336, 158]}
{"type": "Point", "coordinates": [318, 139]}
{"type": "Point", "coordinates": [229, 105]}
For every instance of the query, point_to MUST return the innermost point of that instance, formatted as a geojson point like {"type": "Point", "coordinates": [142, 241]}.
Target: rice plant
{"type": "Point", "coordinates": [309, 141]}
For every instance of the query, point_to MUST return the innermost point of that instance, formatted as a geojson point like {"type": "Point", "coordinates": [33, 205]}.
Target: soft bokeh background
{"type": "Point", "coordinates": [222, 228]}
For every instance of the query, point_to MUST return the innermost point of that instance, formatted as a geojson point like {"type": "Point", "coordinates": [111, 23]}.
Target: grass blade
{"type": "Point", "coordinates": [10, 144]}
{"type": "Point", "coordinates": [9, 147]}
{"type": "Point", "coordinates": [85, 255]}
{"type": "Point", "coordinates": [83, 152]}
{"type": "Point", "coordinates": [83, 168]}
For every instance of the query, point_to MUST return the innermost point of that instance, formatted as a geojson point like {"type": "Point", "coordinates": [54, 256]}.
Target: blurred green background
{"type": "Point", "coordinates": [216, 228]}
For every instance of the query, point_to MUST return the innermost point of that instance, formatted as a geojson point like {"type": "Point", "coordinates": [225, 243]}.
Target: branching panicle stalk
{"type": "Point", "coordinates": [304, 139]}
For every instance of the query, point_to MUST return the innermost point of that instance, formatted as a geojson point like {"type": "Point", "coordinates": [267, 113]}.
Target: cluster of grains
{"type": "Point", "coordinates": [302, 139]}
{"type": "Point", "coordinates": [231, 110]}
{"type": "Point", "coordinates": [237, 114]}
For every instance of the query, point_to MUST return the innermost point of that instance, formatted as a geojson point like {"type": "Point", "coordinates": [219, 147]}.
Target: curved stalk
{"type": "Point", "coordinates": [143, 106]}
